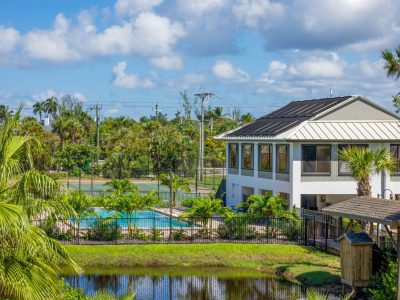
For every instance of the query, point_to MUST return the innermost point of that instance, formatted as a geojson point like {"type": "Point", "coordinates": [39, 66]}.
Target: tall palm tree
{"type": "Point", "coordinates": [364, 163]}
{"type": "Point", "coordinates": [39, 108]}
{"type": "Point", "coordinates": [127, 201]}
{"type": "Point", "coordinates": [29, 259]}
{"type": "Point", "coordinates": [174, 184]}
{"type": "Point", "coordinates": [60, 128]}
{"type": "Point", "coordinates": [51, 106]}
{"type": "Point", "coordinates": [392, 62]}
{"type": "Point", "coordinates": [5, 113]}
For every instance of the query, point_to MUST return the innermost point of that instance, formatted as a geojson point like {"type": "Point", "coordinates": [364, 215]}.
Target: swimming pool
{"type": "Point", "coordinates": [144, 220]}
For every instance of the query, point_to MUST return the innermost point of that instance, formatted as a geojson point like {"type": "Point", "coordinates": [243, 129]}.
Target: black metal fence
{"type": "Point", "coordinates": [163, 229]}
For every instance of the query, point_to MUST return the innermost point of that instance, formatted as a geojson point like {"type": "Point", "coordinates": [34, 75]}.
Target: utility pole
{"type": "Point", "coordinates": [97, 107]}
{"type": "Point", "coordinates": [203, 97]}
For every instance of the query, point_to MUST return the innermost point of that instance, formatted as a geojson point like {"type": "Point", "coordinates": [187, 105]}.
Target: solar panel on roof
{"type": "Point", "coordinates": [288, 116]}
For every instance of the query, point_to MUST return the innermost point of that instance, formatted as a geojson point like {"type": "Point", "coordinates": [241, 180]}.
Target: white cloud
{"type": "Point", "coordinates": [148, 35]}
{"type": "Point", "coordinates": [9, 38]}
{"type": "Point", "coordinates": [167, 62]}
{"type": "Point", "coordinates": [251, 12]}
{"type": "Point", "coordinates": [310, 24]}
{"type": "Point", "coordinates": [132, 7]}
{"type": "Point", "coordinates": [199, 7]}
{"type": "Point", "coordinates": [312, 74]}
{"type": "Point", "coordinates": [227, 71]}
{"type": "Point", "coordinates": [129, 81]}
{"type": "Point", "coordinates": [52, 93]}
{"type": "Point", "coordinates": [51, 45]}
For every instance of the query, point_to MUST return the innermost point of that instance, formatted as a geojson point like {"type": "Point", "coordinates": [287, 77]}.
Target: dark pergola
{"type": "Point", "coordinates": [372, 210]}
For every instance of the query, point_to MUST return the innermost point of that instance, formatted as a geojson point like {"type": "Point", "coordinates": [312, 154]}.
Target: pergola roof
{"type": "Point", "coordinates": [367, 209]}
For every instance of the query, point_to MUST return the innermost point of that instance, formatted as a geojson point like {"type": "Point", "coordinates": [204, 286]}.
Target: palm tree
{"type": "Point", "coordinates": [82, 205]}
{"type": "Point", "coordinates": [29, 259]}
{"type": "Point", "coordinates": [174, 184]}
{"type": "Point", "coordinates": [51, 106]}
{"type": "Point", "coordinates": [5, 113]}
{"type": "Point", "coordinates": [364, 163]}
{"type": "Point", "coordinates": [39, 108]}
{"type": "Point", "coordinates": [127, 201]}
{"type": "Point", "coordinates": [392, 62]}
{"type": "Point", "coordinates": [204, 209]}
{"type": "Point", "coordinates": [60, 128]}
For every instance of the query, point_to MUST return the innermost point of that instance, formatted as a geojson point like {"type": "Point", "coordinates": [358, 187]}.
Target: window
{"type": "Point", "coordinates": [316, 159]}
{"type": "Point", "coordinates": [233, 159]}
{"type": "Point", "coordinates": [247, 156]}
{"type": "Point", "coordinates": [282, 158]}
{"type": "Point", "coordinates": [344, 168]}
{"type": "Point", "coordinates": [265, 157]}
{"type": "Point", "coordinates": [394, 150]}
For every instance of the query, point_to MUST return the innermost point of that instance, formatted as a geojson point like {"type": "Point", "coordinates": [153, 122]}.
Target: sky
{"type": "Point", "coordinates": [255, 55]}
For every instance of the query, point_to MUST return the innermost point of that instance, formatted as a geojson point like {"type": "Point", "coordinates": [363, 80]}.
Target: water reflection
{"type": "Point", "coordinates": [188, 286]}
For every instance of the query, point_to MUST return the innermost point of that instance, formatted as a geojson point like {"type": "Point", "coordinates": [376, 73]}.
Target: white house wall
{"type": "Point", "coordinates": [343, 187]}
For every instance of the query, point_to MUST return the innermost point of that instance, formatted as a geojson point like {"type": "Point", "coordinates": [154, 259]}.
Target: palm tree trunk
{"type": "Point", "coordinates": [364, 187]}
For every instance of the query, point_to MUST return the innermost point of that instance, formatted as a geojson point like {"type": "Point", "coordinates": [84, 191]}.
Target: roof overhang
{"type": "Point", "coordinates": [367, 209]}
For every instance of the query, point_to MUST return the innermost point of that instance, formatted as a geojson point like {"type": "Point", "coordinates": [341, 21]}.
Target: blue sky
{"type": "Point", "coordinates": [252, 54]}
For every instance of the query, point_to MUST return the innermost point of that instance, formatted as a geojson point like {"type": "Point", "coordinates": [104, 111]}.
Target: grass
{"type": "Point", "coordinates": [296, 263]}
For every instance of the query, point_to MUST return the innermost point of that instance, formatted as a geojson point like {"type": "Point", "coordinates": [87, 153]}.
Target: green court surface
{"type": "Point", "coordinates": [100, 188]}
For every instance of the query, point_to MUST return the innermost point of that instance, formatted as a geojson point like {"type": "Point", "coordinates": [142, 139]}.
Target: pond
{"type": "Point", "coordinates": [207, 283]}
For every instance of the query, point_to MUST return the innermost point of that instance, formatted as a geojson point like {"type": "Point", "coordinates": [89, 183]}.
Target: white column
{"type": "Point", "coordinates": [255, 160]}
{"type": "Point", "coordinates": [295, 174]}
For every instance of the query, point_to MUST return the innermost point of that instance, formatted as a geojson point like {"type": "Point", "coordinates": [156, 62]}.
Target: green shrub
{"type": "Point", "coordinates": [155, 235]}
{"type": "Point", "coordinates": [179, 235]}
{"type": "Point", "coordinates": [293, 230]}
{"type": "Point", "coordinates": [385, 282]}
{"type": "Point", "coordinates": [138, 234]}
{"type": "Point", "coordinates": [49, 226]}
{"type": "Point", "coordinates": [103, 230]}
{"type": "Point", "coordinates": [237, 228]}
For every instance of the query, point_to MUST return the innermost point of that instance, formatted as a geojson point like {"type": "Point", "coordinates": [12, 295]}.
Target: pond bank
{"type": "Point", "coordinates": [292, 262]}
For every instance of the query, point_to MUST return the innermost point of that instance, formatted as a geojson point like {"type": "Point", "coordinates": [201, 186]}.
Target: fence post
{"type": "Point", "coordinates": [314, 229]}
{"type": "Point", "coordinates": [305, 231]}
{"type": "Point", "coordinates": [326, 236]}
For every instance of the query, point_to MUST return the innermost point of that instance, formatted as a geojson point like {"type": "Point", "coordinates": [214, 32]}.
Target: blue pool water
{"type": "Point", "coordinates": [144, 219]}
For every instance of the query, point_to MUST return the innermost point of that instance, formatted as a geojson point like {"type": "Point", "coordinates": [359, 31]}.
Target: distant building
{"type": "Point", "coordinates": [293, 151]}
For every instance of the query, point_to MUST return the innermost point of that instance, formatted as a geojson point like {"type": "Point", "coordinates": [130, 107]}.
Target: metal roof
{"type": "Point", "coordinates": [348, 130]}
{"type": "Point", "coordinates": [289, 116]}
{"type": "Point", "coordinates": [367, 209]}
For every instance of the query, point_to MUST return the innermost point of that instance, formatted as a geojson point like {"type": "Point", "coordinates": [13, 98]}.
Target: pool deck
{"type": "Point", "coordinates": [165, 211]}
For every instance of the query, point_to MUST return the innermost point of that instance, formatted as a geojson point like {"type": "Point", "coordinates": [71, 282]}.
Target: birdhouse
{"type": "Point", "coordinates": [356, 259]}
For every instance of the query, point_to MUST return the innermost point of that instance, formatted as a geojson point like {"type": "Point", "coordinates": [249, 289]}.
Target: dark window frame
{"type": "Point", "coordinates": [236, 145]}
{"type": "Point", "coordinates": [287, 146]}
{"type": "Point", "coordinates": [251, 155]}
{"type": "Point", "coordinates": [339, 162]}
{"type": "Point", "coordinates": [271, 157]}
{"type": "Point", "coordinates": [307, 173]}
{"type": "Point", "coordinates": [396, 172]}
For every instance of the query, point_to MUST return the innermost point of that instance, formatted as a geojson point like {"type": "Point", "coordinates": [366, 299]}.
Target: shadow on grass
{"type": "Point", "coordinates": [317, 278]}
{"type": "Point", "coordinates": [310, 278]}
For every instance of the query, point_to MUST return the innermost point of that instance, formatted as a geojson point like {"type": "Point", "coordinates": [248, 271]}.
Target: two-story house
{"type": "Point", "coordinates": [293, 151]}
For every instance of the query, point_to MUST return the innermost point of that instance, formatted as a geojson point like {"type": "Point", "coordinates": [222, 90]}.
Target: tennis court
{"type": "Point", "coordinates": [101, 188]}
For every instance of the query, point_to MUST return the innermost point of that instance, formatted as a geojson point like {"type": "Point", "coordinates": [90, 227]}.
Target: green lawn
{"type": "Point", "coordinates": [293, 262]}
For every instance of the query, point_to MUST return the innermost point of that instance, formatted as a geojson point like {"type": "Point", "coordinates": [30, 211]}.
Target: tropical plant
{"type": "Point", "coordinates": [39, 108]}
{"type": "Point", "coordinates": [51, 106]}
{"type": "Point", "coordinates": [203, 209]}
{"type": "Point", "coordinates": [29, 259]}
{"type": "Point", "coordinates": [76, 157]}
{"type": "Point", "coordinates": [174, 184]}
{"type": "Point", "coordinates": [392, 67]}
{"type": "Point", "coordinates": [103, 229]}
{"type": "Point", "coordinates": [364, 163]}
{"type": "Point", "coordinates": [237, 228]}
{"type": "Point", "coordinates": [267, 206]}
{"type": "Point", "coordinates": [392, 62]}
{"type": "Point", "coordinates": [5, 113]}
{"type": "Point", "coordinates": [385, 281]}
{"type": "Point", "coordinates": [21, 184]}
{"type": "Point", "coordinates": [127, 201]}
{"type": "Point", "coordinates": [314, 294]}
